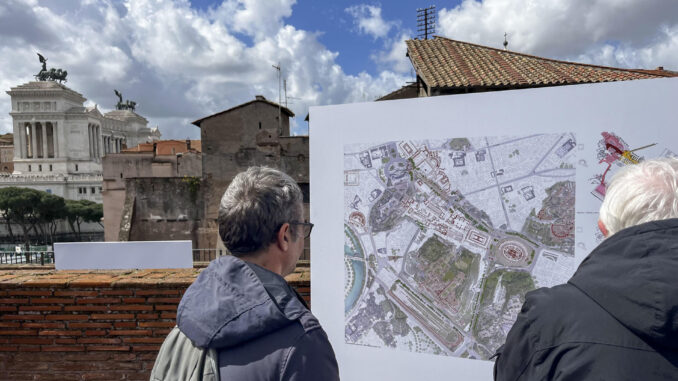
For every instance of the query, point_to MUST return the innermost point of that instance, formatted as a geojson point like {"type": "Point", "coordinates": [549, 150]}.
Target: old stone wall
{"type": "Point", "coordinates": [164, 208]}
{"type": "Point", "coordinates": [91, 325]}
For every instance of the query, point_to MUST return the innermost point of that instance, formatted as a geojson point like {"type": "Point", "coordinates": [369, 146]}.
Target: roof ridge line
{"type": "Point", "coordinates": [637, 71]}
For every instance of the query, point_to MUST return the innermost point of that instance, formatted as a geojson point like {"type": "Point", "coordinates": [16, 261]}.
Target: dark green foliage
{"type": "Point", "coordinates": [37, 213]}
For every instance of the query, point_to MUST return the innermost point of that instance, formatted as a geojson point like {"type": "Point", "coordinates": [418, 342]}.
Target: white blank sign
{"type": "Point", "coordinates": [123, 255]}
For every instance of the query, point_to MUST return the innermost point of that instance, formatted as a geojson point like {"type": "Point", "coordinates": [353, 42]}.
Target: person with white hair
{"type": "Point", "coordinates": [617, 317]}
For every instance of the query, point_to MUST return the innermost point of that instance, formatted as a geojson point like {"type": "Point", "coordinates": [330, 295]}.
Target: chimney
{"type": "Point", "coordinates": [660, 67]}
{"type": "Point", "coordinates": [259, 97]}
{"type": "Point", "coordinates": [155, 148]}
{"type": "Point", "coordinates": [188, 144]}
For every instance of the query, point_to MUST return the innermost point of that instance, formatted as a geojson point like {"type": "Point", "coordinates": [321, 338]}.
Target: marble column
{"type": "Point", "coordinates": [44, 140]}
{"type": "Point", "coordinates": [22, 140]}
{"type": "Point", "coordinates": [98, 137]}
{"type": "Point", "coordinates": [55, 140]}
{"type": "Point", "coordinates": [89, 139]}
{"type": "Point", "coordinates": [34, 142]}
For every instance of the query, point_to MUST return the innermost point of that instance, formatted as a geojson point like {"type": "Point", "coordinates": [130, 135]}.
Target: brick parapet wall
{"type": "Point", "coordinates": [91, 325]}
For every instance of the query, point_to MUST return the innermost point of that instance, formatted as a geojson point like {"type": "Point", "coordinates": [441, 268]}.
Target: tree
{"type": "Point", "coordinates": [20, 206]}
{"type": "Point", "coordinates": [81, 211]}
{"type": "Point", "coordinates": [51, 209]}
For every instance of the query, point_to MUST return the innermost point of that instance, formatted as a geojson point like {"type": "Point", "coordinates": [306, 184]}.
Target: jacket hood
{"type": "Point", "coordinates": [633, 276]}
{"type": "Point", "coordinates": [233, 301]}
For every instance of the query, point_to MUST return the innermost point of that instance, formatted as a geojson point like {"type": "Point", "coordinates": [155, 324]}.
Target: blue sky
{"type": "Point", "coordinates": [182, 60]}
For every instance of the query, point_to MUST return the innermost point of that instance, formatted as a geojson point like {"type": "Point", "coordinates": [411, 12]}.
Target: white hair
{"type": "Point", "coordinates": [647, 191]}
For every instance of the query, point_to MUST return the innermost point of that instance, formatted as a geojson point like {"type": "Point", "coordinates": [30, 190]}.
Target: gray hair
{"type": "Point", "coordinates": [255, 205]}
{"type": "Point", "coordinates": [647, 191]}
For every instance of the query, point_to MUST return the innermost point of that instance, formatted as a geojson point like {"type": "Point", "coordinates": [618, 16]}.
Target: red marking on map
{"type": "Point", "coordinates": [561, 230]}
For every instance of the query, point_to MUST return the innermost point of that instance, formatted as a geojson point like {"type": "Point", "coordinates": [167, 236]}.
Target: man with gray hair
{"type": "Point", "coordinates": [240, 320]}
{"type": "Point", "coordinates": [617, 317]}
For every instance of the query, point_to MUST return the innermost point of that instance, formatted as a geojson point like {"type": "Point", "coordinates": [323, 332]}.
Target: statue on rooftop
{"type": "Point", "coordinates": [127, 105]}
{"type": "Point", "coordinates": [51, 74]}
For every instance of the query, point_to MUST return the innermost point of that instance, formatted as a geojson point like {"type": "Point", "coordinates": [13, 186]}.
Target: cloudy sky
{"type": "Point", "coordinates": [182, 60]}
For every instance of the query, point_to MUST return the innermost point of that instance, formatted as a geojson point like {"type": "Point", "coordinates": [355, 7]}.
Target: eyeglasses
{"type": "Point", "coordinates": [307, 226]}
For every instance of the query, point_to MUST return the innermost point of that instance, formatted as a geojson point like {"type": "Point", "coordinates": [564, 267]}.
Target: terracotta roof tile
{"type": "Point", "coordinates": [446, 63]}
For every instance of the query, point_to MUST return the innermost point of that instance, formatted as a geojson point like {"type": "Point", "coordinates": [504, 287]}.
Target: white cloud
{"type": "Point", "coordinates": [179, 64]}
{"type": "Point", "coordinates": [368, 20]}
{"type": "Point", "coordinates": [626, 33]}
{"type": "Point", "coordinates": [394, 55]}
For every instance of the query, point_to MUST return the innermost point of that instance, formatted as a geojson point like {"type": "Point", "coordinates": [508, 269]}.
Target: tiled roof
{"type": "Point", "coordinates": [446, 63]}
{"type": "Point", "coordinates": [164, 147]}
{"type": "Point", "coordinates": [258, 98]}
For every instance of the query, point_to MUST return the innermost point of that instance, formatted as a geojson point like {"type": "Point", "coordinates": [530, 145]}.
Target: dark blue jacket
{"type": "Point", "coordinates": [259, 326]}
{"type": "Point", "coordinates": [616, 319]}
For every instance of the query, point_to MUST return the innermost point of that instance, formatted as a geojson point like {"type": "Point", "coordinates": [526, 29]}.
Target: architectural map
{"type": "Point", "coordinates": [443, 238]}
{"type": "Point", "coordinates": [611, 152]}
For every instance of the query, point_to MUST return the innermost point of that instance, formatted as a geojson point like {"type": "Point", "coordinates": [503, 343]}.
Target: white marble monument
{"type": "Point", "coordinates": [59, 143]}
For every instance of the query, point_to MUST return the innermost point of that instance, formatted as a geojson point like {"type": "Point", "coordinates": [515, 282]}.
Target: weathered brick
{"type": "Point", "coordinates": [23, 317]}
{"type": "Point", "coordinates": [166, 307]}
{"type": "Point", "coordinates": [95, 376]}
{"type": "Point", "coordinates": [94, 332]}
{"type": "Point", "coordinates": [40, 308]}
{"type": "Point", "coordinates": [20, 332]}
{"type": "Point", "coordinates": [112, 316]}
{"type": "Point", "coordinates": [57, 377]}
{"type": "Point", "coordinates": [9, 324]}
{"type": "Point", "coordinates": [130, 332]}
{"type": "Point", "coordinates": [152, 348]}
{"type": "Point", "coordinates": [157, 292]}
{"type": "Point", "coordinates": [59, 332]}
{"type": "Point", "coordinates": [64, 341]}
{"type": "Point", "coordinates": [75, 325]}
{"type": "Point", "coordinates": [64, 348]}
{"type": "Point", "coordinates": [168, 315]}
{"type": "Point", "coordinates": [108, 348]}
{"type": "Point", "coordinates": [14, 301]}
{"type": "Point", "coordinates": [157, 324]}
{"type": "Point", "coordinates": [52, 301]}
{"type": "Point", "coordinates": [8, 348]}
{"type": "Point", "coordinates": [116, 292]}
{"type": "Point", "coordinates": [161, 331]}
{"type": "Point", "coordinates": [67, 317]}
{"type": "Point", "coordinates": [29, 293]}
{"type": "Point", "coordinates": [125, 324]}
{"type": "Point", "coordinates": [164, 300]}
{"type": "Point", "coordinates": [81, 293]}
{"type": "Point", "coordinates": [98, 300]}
{"type": "Point", "coordinates": [133, 300]}
{"type": "Point", "coordinates": [27, 348]}
{"type": "Point", "coordinates": [147, 316]}
{"type": "Point", "coordinates": [131, 307]}
{"type": "Point", "coordinates": [42, 325]}
{"type": "Point", "coordinates": [31, 340]}
{"type": "Point", "coordinates": [98, 340]}
{"type": "Point", "coordinates": [86, 308]}
{"type": "Point", "coordinates": [145, 340]}
{"type": "Point", "coordinates": [8, 308]}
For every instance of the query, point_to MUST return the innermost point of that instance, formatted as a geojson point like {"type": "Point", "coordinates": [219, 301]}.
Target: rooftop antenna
{"type": "Point", "coordinates": [279, 99]}
{"type": "Point", "coordinates": [505, 41]}
{"type": "Point", "coordinates": [426, 22]}
{"type": "Point", "coordinates": [287, 96]}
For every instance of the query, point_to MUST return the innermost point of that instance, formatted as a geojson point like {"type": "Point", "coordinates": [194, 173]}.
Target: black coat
{"type": "Point", "coordinates": [615, 319]}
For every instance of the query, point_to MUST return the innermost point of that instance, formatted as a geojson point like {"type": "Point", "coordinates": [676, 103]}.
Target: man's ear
{"type": "Point", "coordinates": [283, 237]}
{"type": "Point", "coordinates": [603, 228]}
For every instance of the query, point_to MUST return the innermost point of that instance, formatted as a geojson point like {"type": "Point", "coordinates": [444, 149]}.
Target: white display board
{"type": "Point", "coordinates": [434, 215]}
{"type": "Point", "coordinates": [123, 255]}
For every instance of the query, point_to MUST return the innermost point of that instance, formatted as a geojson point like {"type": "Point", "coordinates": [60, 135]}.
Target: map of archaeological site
{"type": "Point", "coordinates": [443, 238]}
